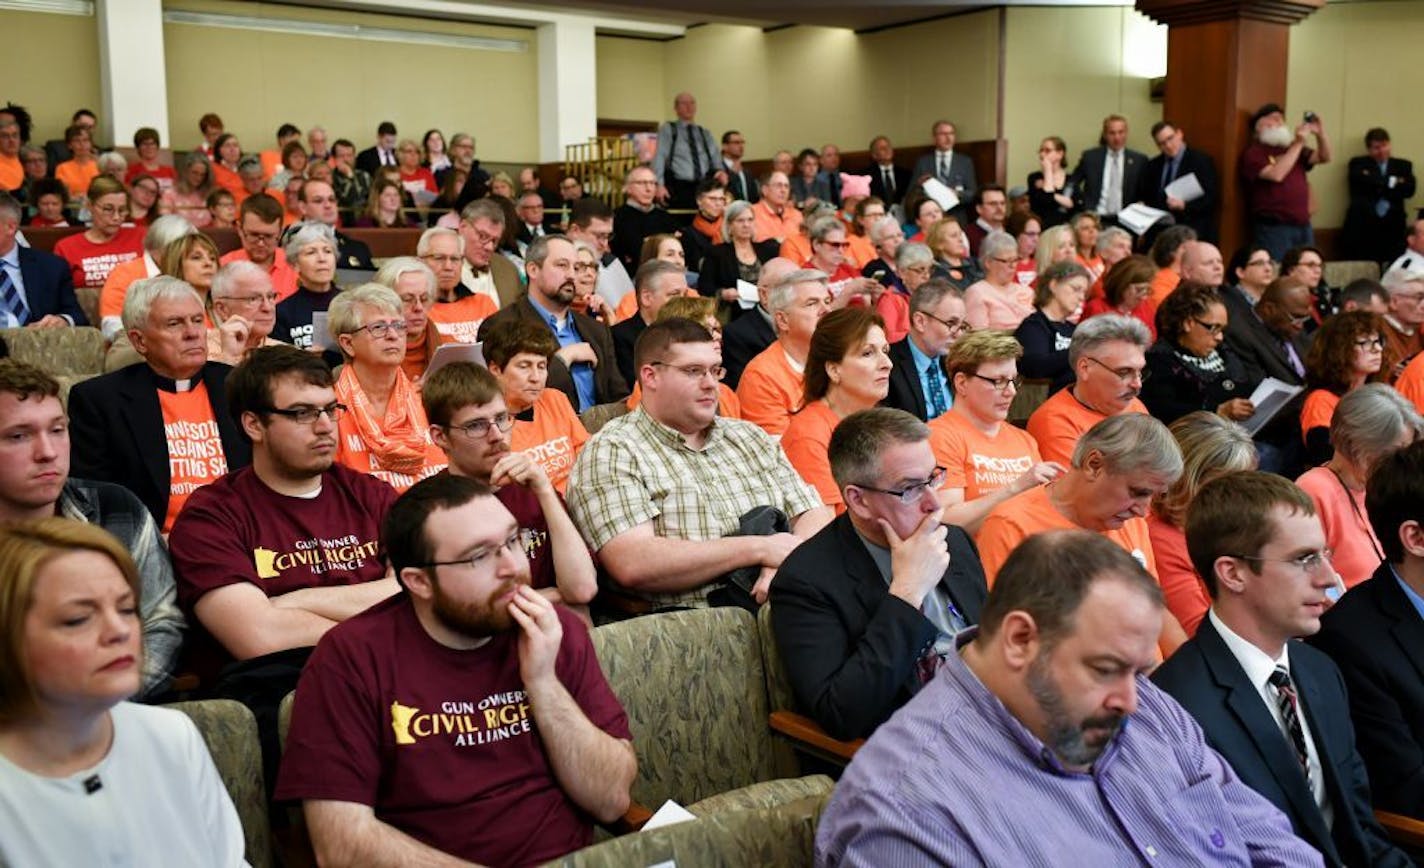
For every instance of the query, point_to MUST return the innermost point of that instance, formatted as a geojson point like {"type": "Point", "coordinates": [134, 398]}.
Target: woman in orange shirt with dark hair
{"type": "Point", "coordinates": [847, 370]}
{"type": "Point", "coordinates": [1346, 353]}
{"type": "Point", "coordinates": [226, 152]}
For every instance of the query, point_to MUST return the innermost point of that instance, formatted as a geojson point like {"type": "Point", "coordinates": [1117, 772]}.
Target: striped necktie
{"type": "Point", "coordinates": [1290, 711]}
{"type": "Point", "coordinates": [11, 298]}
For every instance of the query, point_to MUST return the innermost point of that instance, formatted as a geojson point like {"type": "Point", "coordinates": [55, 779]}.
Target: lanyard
{"type": "Point", "coordinates": [1359, 516]}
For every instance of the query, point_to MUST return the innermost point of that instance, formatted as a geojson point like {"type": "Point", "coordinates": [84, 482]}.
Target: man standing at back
{"type": "Point", "coordinates": [1273, 171]}
{"type": "Point", "coordinates": [687, 153]}
{"type": "Point", "coordinates": [955, 171]}
{"type": "Point", "coordinates": [1107, 176]}
{"type": "Point", "coordinates": [1174, 161]}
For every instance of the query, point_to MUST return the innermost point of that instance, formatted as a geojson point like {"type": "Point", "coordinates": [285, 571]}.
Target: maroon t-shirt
{"type": "Point", "coordinates": [441, 743]}
{"type": "Point", "coordinates": [524, 505]}
{"type": "Point", "coordinates": [1284, 202]}
{"type": "Point", "coordinates": [239, 530]}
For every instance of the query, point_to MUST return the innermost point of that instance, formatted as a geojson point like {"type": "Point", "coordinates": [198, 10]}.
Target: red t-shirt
{"type": "Point", "coordinates": [441, 743]}
{"type": "Point", "coordinates": [90, 263]}
{"type": "Point", "coordinates": [1287, 201]}
{"type": "Point", "coordinates": [239, 530]}
{"type": "Point", "coordinates": [164, 175]}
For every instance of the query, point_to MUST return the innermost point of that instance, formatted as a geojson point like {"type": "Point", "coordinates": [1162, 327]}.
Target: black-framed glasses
{"type": "Point", "coordinates": [309, 415]}
{"type": "Point", "coordinates": [477, 428]}
{"type": "Point", "coordinates": [523, 539]}
{"type": "Point", "coordinates": [1000, 384]}
{"type": "Point", "coordinates": [1127, 375]}
{"type": "Point", "coordinates": [1374, 343]}
{"type": "Point", "coordinates": [695, 372]}
{"type": "Point", "coordinates": [955, 326]}
{"type": "Point", "coordinates": [1212, 328]}
{"type": "Point", "coordinates": [1310, 562]}
{"type": "Point", "coordinates": [914, 490]}
{"type": "Point", "coordinates": [382, 328]}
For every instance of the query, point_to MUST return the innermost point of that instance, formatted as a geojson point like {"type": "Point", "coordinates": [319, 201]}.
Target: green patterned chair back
{"type": "Point", "coordinates": [778, 686]}
{"type": "Point", "coordinates": [597, 416]}
{"type": "Point", "coordinates": [1343, 272]}
{"type": "Point", "coordinates": [693, 686]}
{"type": "Point", "coordinates": [230, 731]}
{"type": "Point", "coordinates": [61, 352]}
{"type": "Point", "coordinates": [284, 717]}
{"type": "Point", "coordinates": [783, 836]}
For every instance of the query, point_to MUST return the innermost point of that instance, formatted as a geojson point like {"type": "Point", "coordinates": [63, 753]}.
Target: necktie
{"type": "Point", "coordinates": [1169, 174]}
{"type": "Point", "coordinates": [936, 385]}
{"type": "Point", "coordinates": [944, 167]}
{"type": "Point", "coordinates": [1294, 358]}
{"type": "Point", "coordinates": [1113, 197]}
{"type": "Point", "coordinates": [889, 181]}
{"type": "Point", "coordinates": [1290, 711]}
{"type": "Point", "coordinates": [695, 147]}
{"type": "Point", "coordinates": [11, 298]}
{"type": "Point", "coordinates": [1382, 206]}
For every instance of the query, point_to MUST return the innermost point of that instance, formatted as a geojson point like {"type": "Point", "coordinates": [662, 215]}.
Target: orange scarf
{"type": "Point", "coordinates": [399, 441]}
{"type": "Point", "coordinates": [713, 231]}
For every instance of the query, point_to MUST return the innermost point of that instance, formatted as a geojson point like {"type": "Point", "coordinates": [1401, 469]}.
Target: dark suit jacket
{"type": "Point", "coordinates": [116, 432]}
{"type": "Point", "coordinates": [1200, 214]}
{"type": "Point", "coordinates": [961, 175]}
{"type": "Point", "coordinates": [1367, 235]}
{"type": "Point", "coordinates": [719, 264]}
{"type": "Point", "coordinates": [631, 226]}
{"type": "Point", "coordinates": [1087, 179]}
{"type": "Point", "coordinates": [742, 186]}
{"type": "Point", "coordinates": [608, 383]}
{"type": "Point", "coordinates": [1205, 677]}
{"type": "Point", "coordinates": [902, 177]}
{"type": "Point", "coordinates": [1262, 355]}
{"type": "Point", "coordinates": [850, 648]}
{"type": "Point", "coordinates": [369, 160]}
{"type": "Point", "coordinates": [1377, 639]}
{"type": "Point", "coordinates": [905, 391]}
{"type": "Point", "coordinates": [625, 338]}
{"type": "Point", "coordinates": [49, 286]}
{"type": "Point", "coordinates": [742, 340]}
{"type": "Point", "coordinates": [353, 253]}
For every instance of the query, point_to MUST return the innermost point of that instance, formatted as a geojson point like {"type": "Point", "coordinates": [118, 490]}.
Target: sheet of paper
{"type": "Point", "coordinates": [945, 197]}
{"type": "Point", "coordinates": [747, 295]}
{"type": "Point", "coordinates": [424, 197]}
{"type": "Point", "coordinates": [1138, 218]}
{"type": "Point", "coordinates": [447, 353]}
{"type": "Point", "coordinates": [1187, 188]}
{"type": "Point", "coordinates": [670, 813]}
{"type": "Point", "coordinates": [1270, 398]}
{"type": "Point", "coordinates": [321, 332]}
{"type": "Point", "coordinates": [613, 282]}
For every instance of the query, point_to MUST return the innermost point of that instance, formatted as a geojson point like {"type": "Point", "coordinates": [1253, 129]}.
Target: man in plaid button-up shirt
{"type": "Point", "coordinates": [659, 491]}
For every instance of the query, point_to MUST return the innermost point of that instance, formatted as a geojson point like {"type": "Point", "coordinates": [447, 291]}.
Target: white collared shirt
{"type": "Point", "coordinates": [1258, 666]}
{"type": "Point", "coordinates": [1107, 175]}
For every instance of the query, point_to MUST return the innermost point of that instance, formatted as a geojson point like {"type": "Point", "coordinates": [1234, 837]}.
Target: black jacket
{"type": "Point", "coordinates": [850, 648]}
{"type": "Point", "coordinates": [1174, 388]}
{"type": "Point", "coordinates": [905, 390]}
{"type": "Point", "coordinates": [743, 340]}
{"type": "Point", "coordinates": [1199, 214]}
{"type": "Point", "coordinates": [1205, 677]}
{"type": "Point", "coordinates": [1376, 638]}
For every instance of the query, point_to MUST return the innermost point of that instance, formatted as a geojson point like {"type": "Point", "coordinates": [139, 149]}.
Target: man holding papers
{"type": "Point", "coordinates": [1181, 181]}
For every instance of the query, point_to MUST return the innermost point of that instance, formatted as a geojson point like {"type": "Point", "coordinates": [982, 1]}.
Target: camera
{"type": "Point", "coordinates": [1310, 117]}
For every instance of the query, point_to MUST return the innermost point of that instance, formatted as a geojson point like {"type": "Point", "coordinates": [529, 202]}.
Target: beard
{"type": "Point", "coordinates": [1276, 137]}
{"type": "Point", "coordinates": [476, 620]}
{"type": "Point", "coordinates": [1067, 739]}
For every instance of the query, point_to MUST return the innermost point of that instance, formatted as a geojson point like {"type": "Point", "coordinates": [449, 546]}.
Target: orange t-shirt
{"type": "Point", "coordinates": [860, 252]}
{"type": "Point", "coordinates": [195, 450]}
{"type": "Point", "coordinates": [976, 462]}
{"type": "Point", "coordinates": [1019, 518]}
{"type": "Point", "coordinates": [770, 225]}
{"type": "Point", "coordinates": [1163, 282]}
{"type": "Point", "coordinates": [76, 176]}
{"type": "Point", "coordinates": [797, 248]}
{"type": "Point", "coordinates": [552, 438]}
{"type": "Point", "coordinates": [1182, 588]}
{"type": "Point", "coordinates": [1058, 423]}
{"type": "Point", "coordinates": [770, 389]}
{"type": "Point", "coordinates": [728, 407]}
{"type": "Point", "coordinates": [1347, 527]}
{"type": "Point", "coordinates": [807, 443]}
{"type": "Point", "coordinates": [458, 322]}
{"type": "Point", "coordinates": [282, 274]}
{"type": "Point", "coordinates": [116, 286]}
{"type": "Point", "coordinates": [627, 307]}
{"type": "Point", "coordinates": [229, 180]}
{"type": "Point", "coordinates": [12, 173]}
{"type": "Point", "coordinates": [1411, 382]}
{"type": "Point", "coordinates": [271, 162]}
{"type": "Point", "coordinates": [1317, 411]}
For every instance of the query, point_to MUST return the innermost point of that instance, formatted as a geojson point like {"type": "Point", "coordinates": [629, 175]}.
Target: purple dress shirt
{"type": "Point", "coordinates": [955, 779]}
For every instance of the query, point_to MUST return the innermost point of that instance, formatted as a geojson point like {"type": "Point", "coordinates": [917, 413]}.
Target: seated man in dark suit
{"type": "Point", "coordinates": [161, 428]}
{"type": "Point", "coordinates": [866, 610]}
{"type": "Point", "coordinates": [1273, 707]}
{"type": "Point", "coordinates": [655, 283]}
{"type": "Point", "coordinates": [1267, 336]}
{"type": "Point", "coordinates": [36, 288]}
{"type": "Point", "coordinates": [1375, 634]}
{"type": "Point", "coordinates": [585, 368]}
{"type": "Point", "coordinates": [745, 337]}
{"type": "Point", "coordinates": [936, 320]}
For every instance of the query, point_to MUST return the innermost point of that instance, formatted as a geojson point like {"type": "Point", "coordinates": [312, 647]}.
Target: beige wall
{"type": "Point", "coordinates": [1068, 68]}
{"type": "Point", "coordinates": [50, 65]}
{"type": "Point", "coordinates": [1356, 66]}
{"type": "Point", "coordinates": [256, 80]}
{"type": "Point", "coordinates": [630, 79]}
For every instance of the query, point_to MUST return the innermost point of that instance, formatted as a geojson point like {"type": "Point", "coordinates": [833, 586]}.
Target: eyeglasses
{"type": "Point", "coordinates": [1127, 375]}
{"type": "Point", "coordinates": [839, 245]}
{"type": "Point", "coordinates": [441, 260]}
{"type": "Point", "coordinates": [1374, 343]}
{"type": "Point", "coordinates": [259, 237]}
{"type": "Point", "coordinates": [914, 490]}
{"type": "Point", "coordinates": [1258, 263]}
{"type": "Point", "coordinates": [521, 540]}
{"type": "Point", "coordinates": [1004, 260]}
{"type": "Point", "coordinates": [309, 415]}
{"type": "Point", "coordinates": [1212, 328]}
{"type": "Point", "coordinates": [477, 428]}
{"type": "Point", "coordinates": [382, 329]}
{"type": "Point", "coordinates": [255, 298]}
{"type": "Point", "coordinates": [955, 326]}
{"type": "Point", "coordinates": [1000, 384]}
{"type": "Point", "coordinates": [1311, 562]}
{"type": "Point", "coordinates": [695, 372]}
